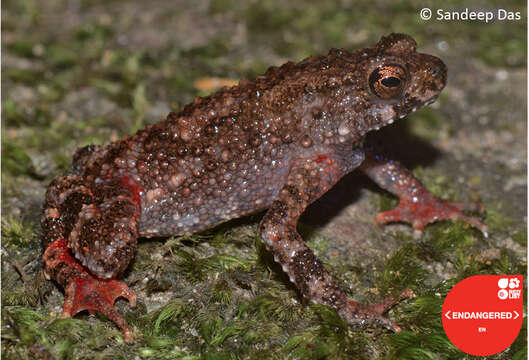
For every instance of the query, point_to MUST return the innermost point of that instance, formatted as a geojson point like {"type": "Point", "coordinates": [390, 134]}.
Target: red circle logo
{"type": "Point", "coordinates": [482, 315]}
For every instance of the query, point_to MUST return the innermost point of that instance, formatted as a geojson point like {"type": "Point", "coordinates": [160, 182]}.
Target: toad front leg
{"type": "Point", "coordinates": [307, 181]}
{"type": "Point", "coordinates": [99, 227]}
{"type": "Point", "coordinates": [417, 205]}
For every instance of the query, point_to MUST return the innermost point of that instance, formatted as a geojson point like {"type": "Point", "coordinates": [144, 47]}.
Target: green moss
{"type": "Point", "coordinates": [503, 45]}
{"type": "Point", "coordinates": [61, 57]}
{"type": "Point", "coordinates": [64, 338]}
{"type": "Point", "coordinates": [222, 292]}
{"type": "Point", "coordinates": [401, 271]}
{"type": "Point", "coordinates": [168, 316]}
{"type": "Point", "coordinates": [93, 32]}
{"type": "Point", "coordinates": [24, 76]}
{"type": "Point", "coordinates": [139, 104]}
{"type": "Point", "coordinates": [16, 234]}
{"type": "Point", "coordinates": [12, 113]}
{"type": "Point", "coordinates": [498, 221]}
{"type": "Point", "coordinates": [208, 52]}
{"type": "Point", "coordinates": [274, 305]}
{"type": "Point", "coordinates": [448, 236]}
{"type": "Point", "coordinates": [198, 269]}
{"type": "Point", "coordinates": [22, 47]}
{"type": "Point", "coordinates": [220, 6]}
{"type": "Point", "coordinates": [386, 201]}
{"type": "Point", "coordinates": [422, 346]}
{"type": "Point", "coordinates": [112, 88]}
{"type": "Point", "coordinates": [520, 237]}
{"type": "Point", "coordinates": [519, 347]}
{"type": "Point", "coordinates": [438, 184]}
{"type": "Point", "coordinates": [15, 160]}
{"type": "Point", "coordinates": [215, 331]}
{"type": "Point", "coordinates": [269, 21]}
{"type": "Point", "coordinates": [331, 338]}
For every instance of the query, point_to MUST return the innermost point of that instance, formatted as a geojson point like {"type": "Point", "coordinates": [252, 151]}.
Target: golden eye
{"type": "Point", "coordinates": [388, 81]}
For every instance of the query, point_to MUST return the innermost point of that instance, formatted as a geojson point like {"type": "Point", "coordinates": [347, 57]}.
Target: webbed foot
{"type": "Point", "coordinates": [98, 295]}
{"type": "Point", "coordinates": [426, 209]}
{"type": "Point", "coordinates": [361, 314]}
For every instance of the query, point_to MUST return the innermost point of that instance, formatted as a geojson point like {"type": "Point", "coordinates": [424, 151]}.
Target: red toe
{"type": "Point", "coordinates": [428, 209]}
{"type": "Point", "coordinates": [98, 295]}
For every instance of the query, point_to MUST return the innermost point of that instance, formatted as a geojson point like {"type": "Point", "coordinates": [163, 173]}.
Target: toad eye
{"type": "Point", "coordinates": [388, 81]}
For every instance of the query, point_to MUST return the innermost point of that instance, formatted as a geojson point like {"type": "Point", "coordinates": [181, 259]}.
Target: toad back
{"type": "Point", "coordinates": [277, 142]}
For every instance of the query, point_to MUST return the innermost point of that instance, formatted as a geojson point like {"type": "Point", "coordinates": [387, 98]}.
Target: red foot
{"type": "Point", "coordinates": [374, 313]}
{"type": "Point", "coordinates": [425, 209]}
{"type": "Point", "coordinates": [98, 295]}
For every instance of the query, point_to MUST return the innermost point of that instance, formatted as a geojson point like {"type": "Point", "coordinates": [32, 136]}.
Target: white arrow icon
{"type": "Point", "coordinates": [447, 314]}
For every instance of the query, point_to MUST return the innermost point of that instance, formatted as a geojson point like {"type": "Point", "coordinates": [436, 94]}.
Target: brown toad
{"type": "Point", "coordinates": [279, 142]}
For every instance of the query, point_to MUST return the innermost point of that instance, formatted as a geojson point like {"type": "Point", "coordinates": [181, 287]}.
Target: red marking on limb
{"type": "Point", "coordinates": [86, 292]}
{"type": "Point", "coordinates": [321, 158]}
{"type": "Point", "coordinates": [58, 244]}
{"type": "Point", "coordinates": [134, 188]}
{"type": "Point", "coordinates": [63, 255]}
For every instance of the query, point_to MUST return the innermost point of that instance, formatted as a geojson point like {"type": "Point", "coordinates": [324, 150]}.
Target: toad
{"type": "Point", "coordinates": [277, 142]}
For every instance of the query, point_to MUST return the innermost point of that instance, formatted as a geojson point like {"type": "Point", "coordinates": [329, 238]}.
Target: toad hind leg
{"type": "Point", "coordinates": [417, 205]}
{"type": "Point", "coordinates": [84, 291]}
{"type": "Point", "coordinates": [84, 222]}
{"type": "Point", "coordinates": [307, 181]}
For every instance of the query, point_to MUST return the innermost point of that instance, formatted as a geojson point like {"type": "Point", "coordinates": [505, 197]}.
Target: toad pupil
{"type": "Point", "coordinates": [263, 144]}
{"type": "Point", "coordinates": [391, 81]}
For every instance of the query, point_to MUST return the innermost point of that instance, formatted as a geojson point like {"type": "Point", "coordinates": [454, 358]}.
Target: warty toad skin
{"type": "Point", "coordinates": [276, 142]}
